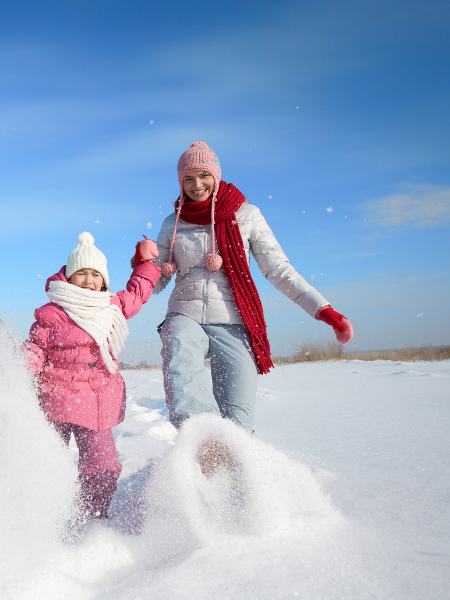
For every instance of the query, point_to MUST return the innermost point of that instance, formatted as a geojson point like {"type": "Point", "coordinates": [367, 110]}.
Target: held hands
{"type": "Point", "coordinates": [342, 326]}
{"type": "Point", "coordinates": [145, 250]}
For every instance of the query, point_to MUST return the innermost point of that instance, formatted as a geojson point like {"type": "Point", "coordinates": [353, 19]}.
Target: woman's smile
{"type": "Point", "coordinates": [198, 185]}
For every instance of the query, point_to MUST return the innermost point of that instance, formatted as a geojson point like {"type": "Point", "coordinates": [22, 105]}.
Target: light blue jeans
{"type": "Point", "coordinates": [228, 389]}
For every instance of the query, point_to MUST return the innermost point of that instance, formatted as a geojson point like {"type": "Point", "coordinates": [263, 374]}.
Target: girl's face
{"type": "Point", "coordinates": [89, 279]}
{"type": "Point", "coordinates": [198, 185]}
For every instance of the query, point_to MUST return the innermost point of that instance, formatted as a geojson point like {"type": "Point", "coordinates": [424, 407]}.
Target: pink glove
{"type": "Point", "coordinates": [342, 326]}
{"type": "Point", "coordinates": [145, 250]}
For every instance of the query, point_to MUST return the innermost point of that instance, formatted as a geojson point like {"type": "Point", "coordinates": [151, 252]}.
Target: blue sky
{"type": "Point", "coordinates": [334, 118]}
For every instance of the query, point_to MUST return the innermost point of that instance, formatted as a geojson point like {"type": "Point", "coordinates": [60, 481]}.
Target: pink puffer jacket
{"type": "Point", "coordinates": [73, 381]}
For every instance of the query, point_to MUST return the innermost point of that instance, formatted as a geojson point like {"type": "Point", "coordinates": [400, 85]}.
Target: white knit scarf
{"type": "Point", "coordinates": [94, 313]}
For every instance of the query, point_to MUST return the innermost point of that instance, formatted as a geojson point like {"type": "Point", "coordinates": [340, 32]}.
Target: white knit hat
{"type": "Point", "coordinates": [87, 256]}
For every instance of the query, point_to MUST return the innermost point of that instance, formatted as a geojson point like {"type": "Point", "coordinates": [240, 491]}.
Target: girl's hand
{"type": "Point", "coordinates": [342, 326]}
{"type": "Point", "coordinates": [145, 250]}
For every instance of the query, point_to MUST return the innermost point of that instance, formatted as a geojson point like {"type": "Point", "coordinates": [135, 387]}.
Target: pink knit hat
{"type": "Point", "coordinates": [198, 157]}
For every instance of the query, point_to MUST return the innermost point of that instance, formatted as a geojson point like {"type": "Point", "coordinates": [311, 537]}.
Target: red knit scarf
{"type": "Point", "coordinates": [231, 247]}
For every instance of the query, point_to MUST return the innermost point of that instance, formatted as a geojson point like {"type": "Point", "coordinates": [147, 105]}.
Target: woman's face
{"type": "Point", "coordinates": [89, 279]}
{"type": "Point", "coordinates": [198, 185]}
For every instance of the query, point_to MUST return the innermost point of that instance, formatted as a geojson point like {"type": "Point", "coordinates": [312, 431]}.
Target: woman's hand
{"type": "Point", "coordinates": [342, 326]}
{"type": "Point", "coordinates": [145, 250]}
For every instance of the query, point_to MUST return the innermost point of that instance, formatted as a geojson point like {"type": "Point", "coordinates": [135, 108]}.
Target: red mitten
{"type": "Point", "coordinates": [145, 250]}
{"type": "Point", "coordinates": [342, 326]}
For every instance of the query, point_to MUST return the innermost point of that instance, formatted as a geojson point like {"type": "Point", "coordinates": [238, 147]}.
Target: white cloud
{"type": "Point", "coordinates": [418, 205]}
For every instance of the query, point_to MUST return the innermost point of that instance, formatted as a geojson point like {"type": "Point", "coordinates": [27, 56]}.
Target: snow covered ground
{"type": "Point", "coordinates": [343, 492]}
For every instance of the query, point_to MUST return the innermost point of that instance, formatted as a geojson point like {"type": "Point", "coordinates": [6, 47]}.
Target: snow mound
{"type": "Point", "coordinates": [36, 471]}
{"type": "Point", "coordinates": [266, 493]}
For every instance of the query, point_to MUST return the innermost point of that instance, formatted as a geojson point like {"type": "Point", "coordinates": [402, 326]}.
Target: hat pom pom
{"type": "Point", "coordinates": [85, 238]}
{"type": "Point", "coordinates": [169, 269]}
{"type": "Point", "coordinates": [213, 262]}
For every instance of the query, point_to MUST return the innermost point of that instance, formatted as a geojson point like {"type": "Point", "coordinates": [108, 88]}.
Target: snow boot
{"type": "Point", "coordinates": [96, 493]}
{"type": "Point", "coordinates": [215, 455]}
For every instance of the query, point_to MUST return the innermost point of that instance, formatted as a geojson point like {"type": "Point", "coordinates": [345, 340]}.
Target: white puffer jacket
{"type": "Point", "coordinates": [206, 296]}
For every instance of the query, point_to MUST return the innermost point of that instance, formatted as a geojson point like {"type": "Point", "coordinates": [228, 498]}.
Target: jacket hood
{"type": "Point", "coordinates": [60, 276]}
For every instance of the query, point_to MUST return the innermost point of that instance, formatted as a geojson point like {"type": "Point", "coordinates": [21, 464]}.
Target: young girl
{"type": "Point", "coordinates": [72, 350]}
{"type": "Point", "coordinates": [215, 309]}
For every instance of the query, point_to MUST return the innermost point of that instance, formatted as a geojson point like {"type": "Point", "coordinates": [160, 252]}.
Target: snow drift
{"type": "Point", "coordinates": [37, 474]}
{"type": "Point", "coordinates": [356, 505]}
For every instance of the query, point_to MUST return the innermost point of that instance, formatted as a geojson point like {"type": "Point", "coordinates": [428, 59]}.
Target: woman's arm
{"type": "Point", "coordinates": [139, 289]}
{"type": "Point", "coordinates": [277, 269]}
{"type": "Point", "coordinates": [163, 243]}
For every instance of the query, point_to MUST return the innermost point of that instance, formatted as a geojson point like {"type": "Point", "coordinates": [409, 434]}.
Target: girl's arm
{"type": "Point", "coordinates": [139, 289]}
{"type": "Point", "coordinates": [35, 348]}
{"type": "Point", "coordinates": [277, 269]}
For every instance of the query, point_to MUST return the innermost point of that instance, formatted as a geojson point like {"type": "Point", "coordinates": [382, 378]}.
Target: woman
{"type": "Point", "coordinates": [214, 310]}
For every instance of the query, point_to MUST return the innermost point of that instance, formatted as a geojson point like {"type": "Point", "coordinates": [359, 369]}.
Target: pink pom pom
{"type": "Point", "coordinates": [169, 269]}
{"type": "Point", "coordinates": [213, 262]}
{"type": "Point", "coordinates": [347, 335]}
